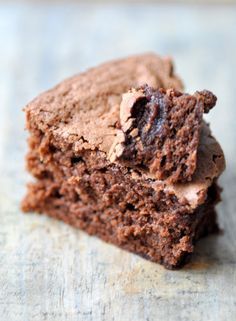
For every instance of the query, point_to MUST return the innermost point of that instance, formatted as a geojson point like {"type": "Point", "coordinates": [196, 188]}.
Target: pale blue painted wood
{"type": "Point", "coordinates": [49, 271]}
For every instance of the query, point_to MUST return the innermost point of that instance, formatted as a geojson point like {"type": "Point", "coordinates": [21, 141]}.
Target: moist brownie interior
{"type": "Point", "coordinates": [72, 129]}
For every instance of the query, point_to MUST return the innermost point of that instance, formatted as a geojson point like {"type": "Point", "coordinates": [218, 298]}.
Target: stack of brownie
{"type": "Point", "coordinates": [120, 152]}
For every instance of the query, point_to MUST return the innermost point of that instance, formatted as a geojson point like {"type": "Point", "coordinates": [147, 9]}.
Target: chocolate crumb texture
{"type": "Point", "coordinates": [160, 131]}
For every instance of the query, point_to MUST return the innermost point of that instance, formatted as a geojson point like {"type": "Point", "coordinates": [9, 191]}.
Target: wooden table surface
{"type": "Point", "coordinates": [50, 271]}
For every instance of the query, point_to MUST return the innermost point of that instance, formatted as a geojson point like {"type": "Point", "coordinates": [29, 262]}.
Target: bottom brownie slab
{"type": "Point", "coordinates": [164, 237]}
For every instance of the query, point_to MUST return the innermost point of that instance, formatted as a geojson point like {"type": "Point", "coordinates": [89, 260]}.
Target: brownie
{"type": "Point", "coordinates": [73, 128]}
{"type": "Point", "coordinates": [160, 130]}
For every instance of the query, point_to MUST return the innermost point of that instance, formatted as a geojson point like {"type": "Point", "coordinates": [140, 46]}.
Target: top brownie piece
{"type": "Point", "coordinates": [160, 131]}
{"type": "Point", "coordinates": [82, 112]}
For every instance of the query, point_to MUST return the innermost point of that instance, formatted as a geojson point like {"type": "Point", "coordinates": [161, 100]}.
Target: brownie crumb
{"type": "Point", "coordinates": [160, 131]}
{"type": "Point", "coordinates": [209, 99]}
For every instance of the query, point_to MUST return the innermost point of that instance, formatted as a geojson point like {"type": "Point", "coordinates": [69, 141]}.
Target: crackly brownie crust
{"type": "Point", "coordinates": [92, 100]}
{"type": "Point", "coordinates": [72, 129]}
{"type": "Point", "coordinates": [160, 131]}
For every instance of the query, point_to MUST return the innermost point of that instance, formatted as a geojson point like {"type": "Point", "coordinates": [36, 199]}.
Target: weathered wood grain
{"type": "Point", "coordinates": [49, 271]}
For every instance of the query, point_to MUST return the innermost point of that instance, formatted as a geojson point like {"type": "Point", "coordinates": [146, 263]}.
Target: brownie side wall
{"type": "Point", "coordinates": [87, 192]}
{"type": "Point", "coordinates": [46, 160]}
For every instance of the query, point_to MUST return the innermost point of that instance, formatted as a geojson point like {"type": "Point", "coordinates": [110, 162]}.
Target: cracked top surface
{"type": "Point", "coordinates": [84, 109]}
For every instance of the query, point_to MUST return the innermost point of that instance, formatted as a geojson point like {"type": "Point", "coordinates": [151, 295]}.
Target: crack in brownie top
{"type": "Point", "coordinates": [87, 105]}
{"type": "Point", "coordinates": [159, 131]}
